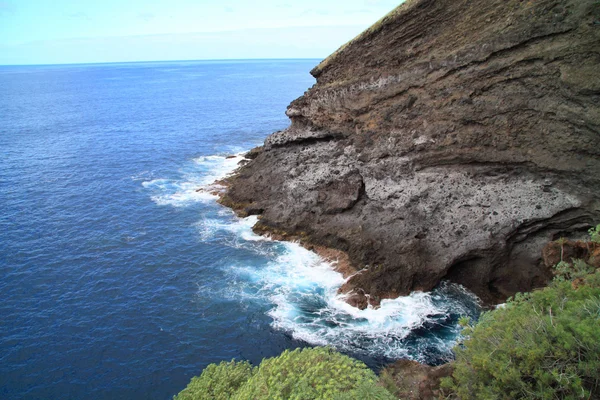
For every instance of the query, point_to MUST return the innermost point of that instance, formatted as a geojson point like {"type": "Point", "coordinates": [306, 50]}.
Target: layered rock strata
{"type": "Point", "coordinates": [451, 140]}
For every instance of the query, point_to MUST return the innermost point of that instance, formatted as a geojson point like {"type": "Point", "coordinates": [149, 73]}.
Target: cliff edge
{"type": "Point", "coordinates": [451, 140]}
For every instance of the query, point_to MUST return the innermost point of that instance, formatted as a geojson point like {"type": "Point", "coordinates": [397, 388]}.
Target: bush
{"type": "Point", "coordinates": [366, 390]}
{"type": "Point", "coordinates": [564, 271]}
{"type": "Point", "coordinates": [310, 374]}
{"type": "Point", "coordinates": [307, 374]}
{"type": "Point", "coordinates": [217, 382]}
{"type": "Point", "coordinates": [542, 345]}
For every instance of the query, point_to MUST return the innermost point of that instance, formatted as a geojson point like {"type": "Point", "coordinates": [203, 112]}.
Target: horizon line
{"type": "Point", "coordinates": [163, 61]}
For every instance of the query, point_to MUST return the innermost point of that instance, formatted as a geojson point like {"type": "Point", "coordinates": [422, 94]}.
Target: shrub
{"type": "Point", "coordinates": [366, 390]}
{"type": "Point", "coordinates": [542, 345]}
{"type": "Point", "coordinates": [564, 271]}
{"type": "Point", "coordinates": [310, 374]}
{"type": "Point", "coordinates": [217, 382]}
{"type": "Point", "coordinates": [307, 374]}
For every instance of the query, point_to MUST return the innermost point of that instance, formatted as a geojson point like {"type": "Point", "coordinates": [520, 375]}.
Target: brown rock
{"type": "Point", "coordinates": [415, 381]}
{"type": "Point", "coordinates": [577, 283]}
{"type": "Point", "coordinates": [595, 256]}
{"type": "Point", "coordinates": [451, 140]}
{"type": "Point", "coordinates": [569, 250]}
{"type": "Point", "coordinates": [565, 250]}
{"type": "Point", "coordinates": [338, 258]}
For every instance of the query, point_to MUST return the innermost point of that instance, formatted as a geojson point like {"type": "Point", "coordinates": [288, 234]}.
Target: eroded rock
{"type": "Point", "coordinates": [452, 140]}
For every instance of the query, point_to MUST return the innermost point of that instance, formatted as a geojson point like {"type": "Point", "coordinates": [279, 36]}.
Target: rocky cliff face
{"type": "Point", "coordinates": [451, 140]}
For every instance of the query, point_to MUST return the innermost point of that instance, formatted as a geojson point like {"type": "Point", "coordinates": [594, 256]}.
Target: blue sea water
{"type": "Point", "coordinates": [120, 280]}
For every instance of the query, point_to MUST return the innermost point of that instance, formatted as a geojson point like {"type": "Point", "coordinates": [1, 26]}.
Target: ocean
{"type": "Point", "coordinates": [120, 280]}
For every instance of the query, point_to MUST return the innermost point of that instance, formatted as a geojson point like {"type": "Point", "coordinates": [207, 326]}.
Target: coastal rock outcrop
{"type": "Point", "coordinates": [451, 140]}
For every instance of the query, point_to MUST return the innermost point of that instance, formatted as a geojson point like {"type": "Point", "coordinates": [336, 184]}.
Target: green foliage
{"type": "Point", "coordinates": [309, 374]}
{"type": "Point", "coordinates": [301, 374]}
{"type": "Point", "coordinates": [543, 345]}
{"type": "Point", "coordinates": [595, 234]}
{"type": "Point", "coordinates": [366, 390]}
{"type": "Point", "coordinates": [564, 271]}
{"type": "Point", "coordinates": [464, 321]}
{"type": "Point", "coordinates": [218, 382]}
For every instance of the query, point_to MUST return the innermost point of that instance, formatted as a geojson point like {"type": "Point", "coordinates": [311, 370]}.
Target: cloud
{"type": "Point", "coordinates": [79, 15]}
{"type": "Point", "coordinates": [314, 11]}
{"type": "Point", "coordinates": [146, 16]}
{"type": "Point", "coordinates": [357, 11]}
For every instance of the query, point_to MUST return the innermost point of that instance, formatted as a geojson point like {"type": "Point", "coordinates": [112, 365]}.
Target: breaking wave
{"type": "Point", "coordinates": [300, 289]}
{"type": "Point", "coordinates": [196, 182]}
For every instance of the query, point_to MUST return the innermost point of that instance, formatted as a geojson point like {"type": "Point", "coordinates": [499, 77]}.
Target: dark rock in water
{"type": "Point", "coordinates": [452, 140]}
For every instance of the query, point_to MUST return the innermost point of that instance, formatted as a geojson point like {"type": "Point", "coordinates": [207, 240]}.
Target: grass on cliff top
{"type": "Point", "coordinates": [376, 27]}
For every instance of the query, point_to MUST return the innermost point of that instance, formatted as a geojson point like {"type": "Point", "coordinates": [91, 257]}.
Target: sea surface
{"type": "Point", "coordinates": [119, 280]}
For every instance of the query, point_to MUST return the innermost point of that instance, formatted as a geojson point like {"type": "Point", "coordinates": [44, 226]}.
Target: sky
{"type": "Point", "coordinates": [89, 31]}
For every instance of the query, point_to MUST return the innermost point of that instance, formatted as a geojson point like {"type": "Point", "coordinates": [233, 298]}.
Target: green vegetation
{"type": "Point", "coordinates": [541, 345]}
{"type": "Point", "coordinates": [307, 374]}
{"type": "Point", "coordinates": [564, 271]}
{"type": "Point", "coordinates": [218, 382]}
{"type": "Point", "coordinates": [595, 234]}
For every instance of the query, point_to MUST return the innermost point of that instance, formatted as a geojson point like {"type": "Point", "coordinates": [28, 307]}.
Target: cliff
{"type": "Point", "coordinates": [451, 140]}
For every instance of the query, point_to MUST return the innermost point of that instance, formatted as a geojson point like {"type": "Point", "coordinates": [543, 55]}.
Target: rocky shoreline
{"type": "Point", "coordinates": [451, 140]}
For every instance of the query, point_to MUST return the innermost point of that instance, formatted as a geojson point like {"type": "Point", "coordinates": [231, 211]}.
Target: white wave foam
{"type": "Point", "coordinates": [324, 318]}
{"type": "Point", "coordinates": [142, 176]}
{"type": "Point", "coordinates": [196, 182]}
{"type": "Point", "coordinates": [303, 290]}
{"type": "Point", "coordinates": [218, 167]}
{"type": "Point", "coordinates": [301, 287]}
{"type": "Point", "coordinates": [240, 228]}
